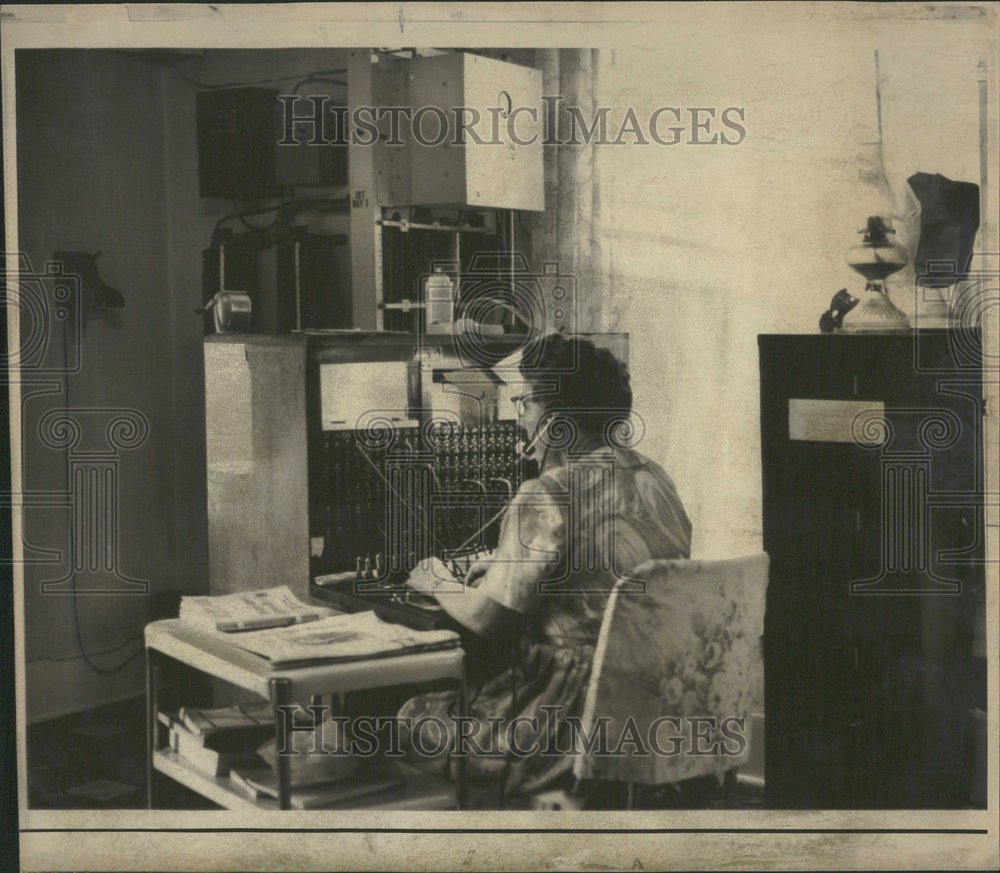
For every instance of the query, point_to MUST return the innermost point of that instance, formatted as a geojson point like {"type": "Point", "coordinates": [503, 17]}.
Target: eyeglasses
{"type": "Point", "coordinates": [520, 402]}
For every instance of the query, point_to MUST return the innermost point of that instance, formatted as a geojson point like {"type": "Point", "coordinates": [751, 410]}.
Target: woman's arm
{"type": "Point", "coordinates": [467, 606]}
{"type": "Point", "coordinates": [529, 549]}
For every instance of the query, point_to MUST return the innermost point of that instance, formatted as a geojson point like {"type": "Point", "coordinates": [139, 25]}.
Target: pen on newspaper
{"type": "Point", "coordinates": [252, 624]}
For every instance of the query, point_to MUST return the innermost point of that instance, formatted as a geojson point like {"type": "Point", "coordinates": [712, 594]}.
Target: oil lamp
{"type": "Point", "coordinates": [876, 257]}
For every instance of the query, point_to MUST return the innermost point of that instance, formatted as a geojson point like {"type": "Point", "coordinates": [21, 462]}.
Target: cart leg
{"type": "Point", "coordinates": [463, 770]}
{"type": "Point", "coordinates": [279, 698]}
{"type": "Point", "coordinates": [152, 706]}
{"type": "Point", "coordinates": [630, 799]}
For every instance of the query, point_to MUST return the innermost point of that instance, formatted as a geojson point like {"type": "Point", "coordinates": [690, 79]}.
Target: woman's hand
{"type": "Point", "coordinates": [477, 571]}
{"type": "Point", "coordinates": [466, 605]}
{"type": "Point", "coordinates": [428, 576]}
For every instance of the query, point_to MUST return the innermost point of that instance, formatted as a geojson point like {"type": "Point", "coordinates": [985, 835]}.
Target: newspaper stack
{"type": "Point", "coordinates": [250, 610]}
{"type": "Point", "coordinates": [355, 637]}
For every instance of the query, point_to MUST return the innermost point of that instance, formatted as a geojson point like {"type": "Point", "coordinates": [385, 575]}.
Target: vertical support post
{"type": "Point", "coordinates": [152, 706]}
{"type": "Point", "coordinates": [366, 233]}
{"type": "Point", "coordinates": [630, 798]}
{"type": "Point", "coordinates": [280, 697]}
{"type": "Point", "coordinates": [463, 770]}
{"type": "Point", "coordinates": [296, 255]}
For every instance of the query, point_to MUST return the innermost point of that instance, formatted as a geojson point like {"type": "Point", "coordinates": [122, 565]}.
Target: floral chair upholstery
{"type": "Point", "coordinates": [676, 664]}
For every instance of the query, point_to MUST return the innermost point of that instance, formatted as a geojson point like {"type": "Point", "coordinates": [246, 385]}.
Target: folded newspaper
{"type": "Point", "coordinates": [250, 610]}
{"type": "Point", "coordinates": [354, 637]}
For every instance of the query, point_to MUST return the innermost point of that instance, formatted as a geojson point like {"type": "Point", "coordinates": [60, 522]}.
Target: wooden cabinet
{"type": "Point", "coordinates": [872, 452]}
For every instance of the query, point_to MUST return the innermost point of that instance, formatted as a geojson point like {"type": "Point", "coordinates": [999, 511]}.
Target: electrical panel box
{"type": "Point", "coordinates": [240, 150]}
{"type": "Point", "coordinates": [474, 136]}
{"type": "Point", "coordinates": [236, 143]}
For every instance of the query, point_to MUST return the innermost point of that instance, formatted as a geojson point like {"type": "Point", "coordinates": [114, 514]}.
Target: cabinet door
{"type": "Point", "coordinates": [876, 561]}
{"type": "Point", "coordinates": [818, 658]}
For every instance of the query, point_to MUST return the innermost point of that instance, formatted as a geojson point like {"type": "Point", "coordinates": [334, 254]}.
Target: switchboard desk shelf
{"type": "Point", "coordinates": [225, 661]}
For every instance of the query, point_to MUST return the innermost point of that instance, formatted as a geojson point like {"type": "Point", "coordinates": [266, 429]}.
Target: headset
{"type": "Point", "coordinates": [541, 435]}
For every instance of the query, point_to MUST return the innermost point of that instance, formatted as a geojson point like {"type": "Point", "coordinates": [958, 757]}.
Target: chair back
{"type": "Point", "coordinates": [674, 670]}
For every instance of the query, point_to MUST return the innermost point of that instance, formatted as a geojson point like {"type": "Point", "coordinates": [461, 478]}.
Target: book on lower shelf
{"type": "Point", "coordinates": [209, 761]}
{"type": "Point", "coordinates": [217, 752]}
{"type": "Point", "coordinates": [228, 723]}
{"type": "Point", "coordinates": [262, 782]}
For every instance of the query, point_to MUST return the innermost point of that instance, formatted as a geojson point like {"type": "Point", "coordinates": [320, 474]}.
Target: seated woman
{"type": "Point", "coordinates": [596, 510]}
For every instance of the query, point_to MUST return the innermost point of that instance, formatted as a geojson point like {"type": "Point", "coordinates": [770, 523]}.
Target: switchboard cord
{"type": "Point", "coordinates": [472, 538]}
{"type": "Point", "coordinates": [480, 531]}
{"type": "Point", "coordinates": [398, 496]}
{"type": "Point", "coordinates": [516, 643]}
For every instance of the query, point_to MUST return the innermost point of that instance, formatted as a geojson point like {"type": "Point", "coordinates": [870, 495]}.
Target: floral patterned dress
{"type": "Point", "coordinates": [566, 539]}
